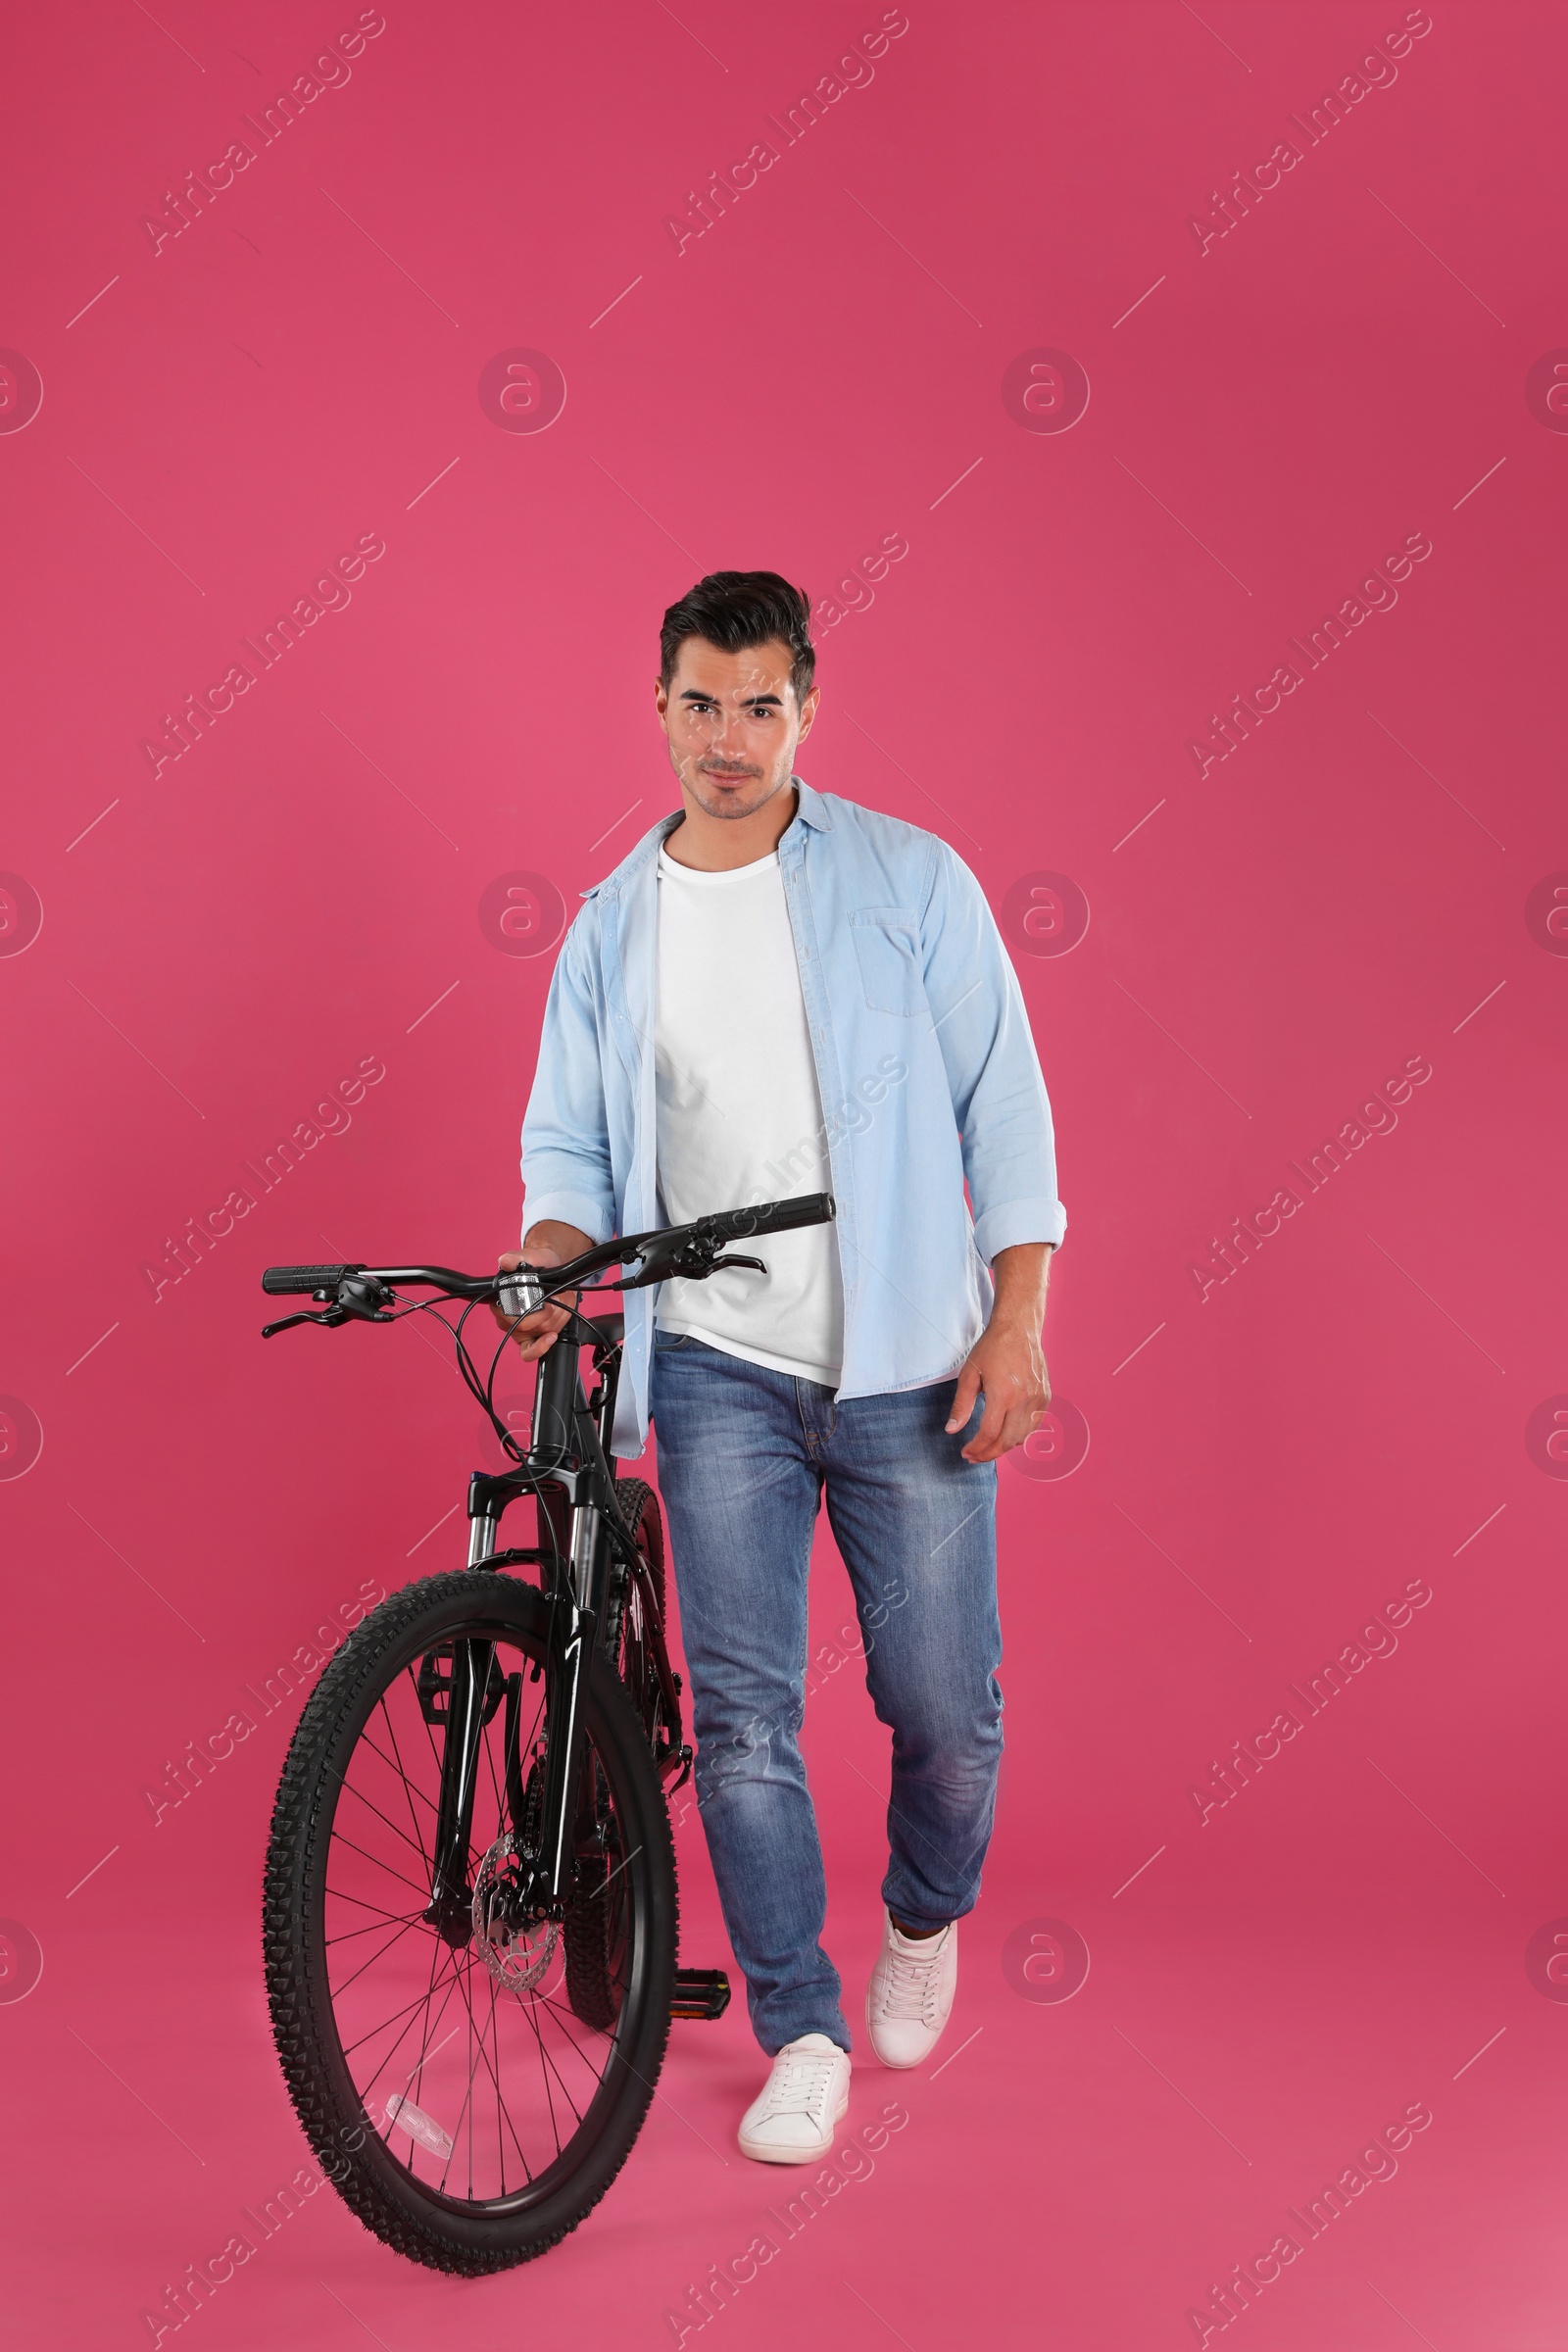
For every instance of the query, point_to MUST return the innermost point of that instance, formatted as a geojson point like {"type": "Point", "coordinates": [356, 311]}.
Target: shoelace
{"type": "Point", "coordinates": [914, 1983]}
{"type": "Point", "coordinates": [802, 2082]}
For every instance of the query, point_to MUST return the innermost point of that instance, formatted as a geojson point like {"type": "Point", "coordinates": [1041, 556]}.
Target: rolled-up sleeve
{"type": "Point", "coordinates": [994, 1075]}
{"type": "Point", "coordinates": [567, 1170]}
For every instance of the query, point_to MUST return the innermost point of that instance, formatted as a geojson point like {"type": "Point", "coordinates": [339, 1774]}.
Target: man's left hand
{"type": "Point", "coordinates": [1006, 1361]}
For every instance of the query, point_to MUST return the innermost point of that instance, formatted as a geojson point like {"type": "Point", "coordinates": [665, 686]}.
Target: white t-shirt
{"type": "Point", "coordinates": [740, 1115]}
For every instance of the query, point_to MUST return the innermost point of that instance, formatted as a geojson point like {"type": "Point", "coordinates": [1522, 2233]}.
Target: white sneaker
{"type": "Point", "coordinates": [801, 2104]}
{"type": "Point", "coordinates": [909, 1997]}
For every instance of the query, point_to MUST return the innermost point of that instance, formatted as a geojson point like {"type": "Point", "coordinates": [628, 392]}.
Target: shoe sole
{"type": "Point", "coordinates": [775, 2155]}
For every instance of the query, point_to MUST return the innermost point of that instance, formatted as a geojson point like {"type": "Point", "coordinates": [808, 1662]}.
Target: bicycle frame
{"type": "Point", "coordinates": [589, 1562]}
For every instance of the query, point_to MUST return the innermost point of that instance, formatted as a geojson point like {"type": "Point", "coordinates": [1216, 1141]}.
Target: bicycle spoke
{"type": "Point", "coordinates": [427, 1997]}
{"type": "Point", "coordinates": [338, 1991]}
{"type": "Point", "coordinates": [501, 2099]}
{"type": "Point", "coordinates": [338, 1896]}
{"type": "Point", "coordinates": [424, 2056]}
{"type": "Point", "coordinates": [349, 1789]}
{"type": "Point", "coordinates": [544, 2076]}
{"type": "Point", "coordinates": [408, 1920]}
{"type": "Point", "coordinates": [349, 2047]}
{"type": "Point", "coordinates": [561, 2015]}
{"type": "Point", "coordinates": [428, 2048]}
{"type": "Point", "coordinates": [545, 2004]}
{"type": "Point", "coordinates": [375, 1858]}
{"type": "Point", "coordinates": [504, 2110]}
{"type": "Point", "coordinates": [400, 1768]}
{"type": "Point", "coordinates": [466, 2109]}
{"type": "Point", "coordinates": [501, 2104]}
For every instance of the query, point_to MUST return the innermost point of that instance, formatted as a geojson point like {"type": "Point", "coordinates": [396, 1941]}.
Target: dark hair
{"type": "Point", "coordinates": [734, 610]}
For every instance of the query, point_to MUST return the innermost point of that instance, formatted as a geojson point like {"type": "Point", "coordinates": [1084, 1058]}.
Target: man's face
{"type": "Point", "coordinates": [733, 724]}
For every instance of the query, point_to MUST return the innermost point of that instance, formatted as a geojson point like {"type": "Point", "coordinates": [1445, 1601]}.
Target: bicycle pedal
{"type": "Point", "coordinates": [434, 1686]}
{"type": "Point", "coordinates": [701, 1993]}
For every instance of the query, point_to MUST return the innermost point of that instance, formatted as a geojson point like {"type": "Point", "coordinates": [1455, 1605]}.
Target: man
{"type": "Point", "coordinates": [781, 991]}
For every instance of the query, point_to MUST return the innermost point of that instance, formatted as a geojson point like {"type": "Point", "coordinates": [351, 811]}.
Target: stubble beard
{"type": "Point", "coordinates": [762, 790]}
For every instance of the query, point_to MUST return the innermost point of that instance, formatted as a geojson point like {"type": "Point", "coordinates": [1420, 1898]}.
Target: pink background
{"type": "Point", "coordinates": [300, 893]}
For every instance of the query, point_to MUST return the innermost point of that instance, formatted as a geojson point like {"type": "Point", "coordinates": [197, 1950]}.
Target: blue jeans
{"type": "Point", "coordinates": [744, 1456]}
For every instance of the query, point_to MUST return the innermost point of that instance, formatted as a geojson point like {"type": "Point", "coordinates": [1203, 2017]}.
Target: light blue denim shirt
{"type": "Point", "coordinates": [927, 1070]}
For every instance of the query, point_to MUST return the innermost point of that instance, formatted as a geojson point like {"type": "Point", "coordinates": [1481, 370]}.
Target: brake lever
{"type": "Point", "coordinates": [686, 1265]}
{"type": "Point", "coordinates": [333, 1315]}
{"type": "Point", "coordinates": [358, 1299]}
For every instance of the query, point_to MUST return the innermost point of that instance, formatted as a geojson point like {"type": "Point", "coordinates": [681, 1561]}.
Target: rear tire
{"type": "Point", "coordinates": [589, 1930]}
{"type": "Point", "coordinates": [639, 1507]}
{"type": "Point", "coordinates": [629, 1643]}
{"type": "Point", "coordinates": [589, 1939]}
{"type": "Point", "coordinates": [530, 2091]}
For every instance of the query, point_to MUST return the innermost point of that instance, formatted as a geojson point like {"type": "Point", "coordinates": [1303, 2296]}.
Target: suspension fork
{"type": "Point", "coordinates": [473, 1663]}
{"type": "Point", "coordinates": [472, 1667]}
{"type": "Point", "coordinates": [573, 1532]}
{"type": "Point", "coordinates": [576, 1607]}
{"type": "Point", "coordinates": [568, 1658]}
{"type": "Point", "coordinates": [576, 1588]}
{"type": "Point", "coordinates": [566, 1670]}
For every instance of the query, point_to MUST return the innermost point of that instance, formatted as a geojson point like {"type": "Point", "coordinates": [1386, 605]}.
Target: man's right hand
{"type": "Point", "coordinates": [547, 1243]}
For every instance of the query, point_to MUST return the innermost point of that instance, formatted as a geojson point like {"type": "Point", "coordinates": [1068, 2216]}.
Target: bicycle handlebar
{"type": "Point", "coordinates": [770, 1216]}
{"type": "Point", "coordinates": [665, 1247]}
{"type": "Point", "coordinates": [291, 1281]}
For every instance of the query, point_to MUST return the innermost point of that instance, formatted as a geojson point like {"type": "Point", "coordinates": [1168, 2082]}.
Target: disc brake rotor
{"type": "Point", "coordinates": [517, 1958]}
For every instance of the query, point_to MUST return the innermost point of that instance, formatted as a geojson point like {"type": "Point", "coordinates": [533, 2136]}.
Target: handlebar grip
{"type": "Point", "coordinates": [287, 1281]}
{"type": "Point", "coordinates": [774, 1217]}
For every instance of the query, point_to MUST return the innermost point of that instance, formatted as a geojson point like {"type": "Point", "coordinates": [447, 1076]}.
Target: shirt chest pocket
{"type": "Point", "coordinates": [887, 948]}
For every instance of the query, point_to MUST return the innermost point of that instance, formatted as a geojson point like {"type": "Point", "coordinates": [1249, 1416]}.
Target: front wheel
{"type": "Point", "coordinates": [446, 2078]}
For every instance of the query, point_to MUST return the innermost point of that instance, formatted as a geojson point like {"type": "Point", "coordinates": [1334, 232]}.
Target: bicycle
{"type": "Point", "coordinates": [470, 1913]}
